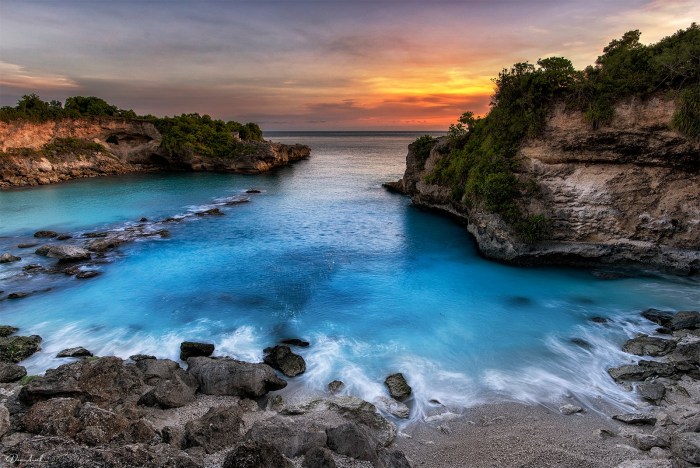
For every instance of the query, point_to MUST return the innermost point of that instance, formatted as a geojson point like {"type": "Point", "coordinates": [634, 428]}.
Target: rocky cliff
{"type": "Point", "coordinates": [53, 151]}
{"type": "Point", "coordinates": [625, 194]}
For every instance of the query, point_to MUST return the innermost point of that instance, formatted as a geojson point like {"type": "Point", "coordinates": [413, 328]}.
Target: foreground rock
{"type": "Point", "coordinates": [398, 387]}
{"type": "Point", "coordinates": [10, 372]}
{"type": "Point", "coordinates": [190, 349]}
{"type": "Point", "coordinates": [225, 376]}
{"type": "Point", "coordinates": [283, 359]}
{"type": "Point", "coordinates": [648, 346]}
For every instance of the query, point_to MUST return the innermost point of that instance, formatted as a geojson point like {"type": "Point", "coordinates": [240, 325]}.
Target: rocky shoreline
{"type": "Point", "coordinates": [218, 411]}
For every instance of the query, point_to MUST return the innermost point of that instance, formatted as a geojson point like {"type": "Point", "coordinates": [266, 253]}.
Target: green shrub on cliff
{"type": "Point", "coordinates": [421, 148]}
{"type": "Point", "coordinates": [687, 117]}
{"type": "Point", "coordinates": [71, 145]}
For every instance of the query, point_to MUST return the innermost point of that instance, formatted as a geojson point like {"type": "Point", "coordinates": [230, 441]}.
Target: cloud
{"type": "Point", "coordinates": [18, 77]}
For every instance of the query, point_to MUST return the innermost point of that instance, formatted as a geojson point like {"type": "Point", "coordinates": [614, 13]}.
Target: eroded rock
{"type": "Point", "coordinates": [283, 359]}
{"type": "Point", "coordinates": [398, 387]}
{"type": "Point", "coordinates": [227, 376]}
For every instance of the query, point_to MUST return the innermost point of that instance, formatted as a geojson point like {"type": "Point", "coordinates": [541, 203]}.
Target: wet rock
{"type": "Point", "coordinates": [190, 349]}
{"type": "Point", "coordinates": [296, 342]}
{"type": "Point", "coordinates": [651, 391]}
{"type": "Point", "coordinates": [636, 418]}
{"type": "Point", "coordinates": [19, 295]}
{"type": "Point", "coordinates": [64, 253]}
{"type": "Point", "coordinates": [217, 429]}
{"type": "Point", "coordinates": [392, 459]}
{"type": "Point", "coordinates": [227, 376]}
{"type": "Point", "coordinates": [599, 320]}
{"type": "Point", "coordinates": [255, 455]}
{"type": "Point", "coordinates": [33, 268]}
{"type": "Point", "coordinates": [570, 409]}
{"type": "Point", "coordinates": [664, 331]}
{"type": "Point", "coordinates": [103, 245]}
{"type": "Point", "coordinates": [74, 353]}
{"type": "Point", "coordinates": [8, 258]}
{"type": "Point", "coordinates": [141, 357]}
{"type": "Point", "coordinates": [45, 234]}
{"type": "Point", "coordinates": [393, 407]}
{"type": "Point", "coordinates": [85, 274]}
{"type": "Point", "coordinates": [686, 446]}
{"type": "Point", "coordinates": [209, 212]}
{"type": "Point", "coordinates": [18, 348]}
{"type": "Point", "coordinates": [353, 441]}
{"type": "Point", "coordinates": [27, 245]}
{"type": "Point", "coordinates": [659, 317]}
{"type": "Point", "coordinates": [95, 235]}
{"type": "Point", "coordinates": [683, 320]}
{"type": "Point", "coordinates": [319, 458]}
{"type": "Point", "coordinates": [648, 346]}
{"type": "Point", "coordinates": [398, 387]}
{"type": "Point", "coordinates": [581, 343]}
{"type": "Point", "coordinates": [143, 220]}
{"type": "Point", "coordinates": [283, 359]}
{"type": "Point", "coordinates": [252, 191]}
{"type": "Point", "coordinates": [642, 371]}
{"type": "Point", "coordinates": [63, 237]}
{"type": "Point", "coordinates": [7, 330]}
{"type": "Point", "coordinates": [11, 372]}
{"type": "Point", "coordinates": [336, 386]}
{"type": "Point", "coordinates": [291, 436]}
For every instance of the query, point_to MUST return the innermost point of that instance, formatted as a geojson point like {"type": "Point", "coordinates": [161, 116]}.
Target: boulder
{"type": "Point", "coordinates": [98, 425]}
{"type": "Point", "coordinates": [227, 376]}
{"type": "Point", "coordinates": [683, 320]}
{"type": "Point", "coordinates": [18, 295]}
{"type": "Point", "coordinates": [63, 237]}
{"type": "Point", "coordinates": [336, 386]}
{"type": "Point", "coordinates": [398, 387]}
{"type": "Point", "coordinates": [353, 441]}
{"type": "Point", "coordinates": [217, 429]}
{"type": "Point", "coordinates": [18, 348]}
{"type": "Point", "coordinates": [652, 391]}
{"type": "Point", "coordinates": [636, 418]}
{"type": "Point", "coordinates": [291, 436]}
{"type": "Point", "coordinates": [74, 352]}
{"type": "Point", "coordinates": [155, 370]}
{"type": "Point", "coordinates": [647, 441]}
{"type": "Point", "coordinates": [393, 407]}
{"type": "Point", "coordinates": [659, 317]}
{"type": "Point", "coordinates": [641, 371]}
{"type": "Point", "coordinates": [172, 393]}
{"type": "Point", "coordinates": [64, 253]}
{"type": "Point", "coordinates": [319, 458]}
{"type": "Point", "coordinates": [11, 372]}
{"type": "Point", "coordinates": [86, 274]}
{"type": "Point", "coordinates": [255, 455]}
{"type": "Point", "coordinates": [209, 212]}
{"type": "Point", "coordinates": [283, 359]}
{"type": "Point", "coordinates": [295, 342]}
{"type": "Point", "coordinates": [7, 330]}
{"type": "Point", "coordinates": [392, 459]}
{"type": "Point", "coordinates": [45, 234]}
{"type": "Point", "coordinates": [27, 245]}
{"type": "Point", "coordinates": [570, 409]}
{"type": "Point", "coordinates": [190, 349]}
{"type": "Point", "coordinates": [648, 346]}
{"type": "Point", "coordinates": [686, 446]}
{"type": "Point", "coordinates": [54, 417]}
{"type": "Point", "coordinates": [8, 258]}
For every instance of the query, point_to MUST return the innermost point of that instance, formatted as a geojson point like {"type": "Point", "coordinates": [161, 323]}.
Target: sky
{"type": "Point", "coordinates": [306, 65]}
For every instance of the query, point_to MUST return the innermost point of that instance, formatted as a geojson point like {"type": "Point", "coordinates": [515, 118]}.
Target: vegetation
{"type": "Point", "coordinates": [479, 165]}
{"type": "Point", "coordinates": [71, 145]}
{"type": "Point", "coordinates": [421, 148]}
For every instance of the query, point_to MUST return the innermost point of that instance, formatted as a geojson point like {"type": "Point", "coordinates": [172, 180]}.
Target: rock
{"type": "Point", "coordinates": [18, 348]}
{"type": "Point", "coordinates": [296, 342]}
{"type": "Point", "coordinates": [212, 211]}
{"type": "Point", "coordinates": [85, 274]}
{"type": "Point", "coordinates": [252, 191]}
{"type": "Point", "coordinates": [4, 420]}
{"type": "Point", "coordinates": [54, 417]}
{"type": "Point", "coordinates": [141, 357]}
{"type": "Point", "coordinates": [45, 234]}
{"type": "Point", "coordinates": [74, 352]}
{"type": "Point", "coordinates": [63, 237]}
{"type": "Point", "coordinates": [392, 459]}
{"type": "Point", "coordinates": [64, 253]}
{"type": "Point", "coordinates": [155, 370]}
{"type": "Point", "coordinates": [336, 386]}
{"type": "Point", "coordinates": [319, 458]}
{"type": "Point", "coordinates": [283, 359]}
{"type": "Point", "coordinates": [581, 343]}
{"type": "Point", "coordinates": [18, 295]}
{"type": "Point", "coordinates": [685, 320]}
{"type": "Point", "coordinates": [686, 446]}
{"type": "Point", "coordinates": [217, 429]}
{"type": "Point", "coordinates": [98, 425]}
{"type": "Point", "coordinates": [7, 330]}
{"type": "Point", "coordinates": [648, 346]}
{"type": "Point", "coordinates": [11, 372]}
{"type": "Point", "coordinates": [190, 349]}
{"type": "Point", "coordinates": [398, 387]}
{"type": "Point", "coordinates": [231, 377]}
{"type": "Point", "coordinates": [95, 235]}
{"type": "Point", "coordinates": [636, 418]}
{"type": "Point", "coordinates": [143, 220]}
{"type": "Point", "coordinates": [659, 317]}
{"type": "Point", "coordinates": [172, 393]}
{"type": "Point", "coordinates": [599, 320]}
{"type": "Point", "coordinates": [353, 441]}
{"type": "Point", "coordinates": [8, 258]}
{"type": "Point", "coordinates": [570, 409]}
{"type": "Point", "coordinates": [647, 441]}
{"type": "Point", "coordinates": [393, 407]}
{"type": "Point", "coordinates": [128, 455]}
{"type": "Point", "coordinates": [641, 371]}
{"type": "Point", "coordinates": [255, 455]}
{"type": "Point", "coordinates": [651, 391]}
{"type": "Point", "coordinates": [174, 436]}
{"type": "Point", "coordinates": [291, 436]}
{"type": "Point", "coordinates": [27, 245]}
{"type": "Point", "coordinates": [33, 268]}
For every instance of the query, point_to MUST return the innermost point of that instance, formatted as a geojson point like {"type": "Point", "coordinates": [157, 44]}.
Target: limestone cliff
{"type": "Point", "coordinates": [624, 194]}
{"type": "Point", "coordinates": [27, 156]}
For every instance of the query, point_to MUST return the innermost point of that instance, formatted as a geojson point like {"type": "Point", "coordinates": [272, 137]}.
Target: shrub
{"type": "Point", "coordinates": [687, 117]}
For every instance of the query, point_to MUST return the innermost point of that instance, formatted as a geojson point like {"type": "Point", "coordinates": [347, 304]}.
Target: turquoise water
{"type": "Point", "coordinates": [325, 254]}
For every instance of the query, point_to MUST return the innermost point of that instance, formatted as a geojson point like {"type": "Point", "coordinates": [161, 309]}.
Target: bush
{"type": "Point", "coordinates": [72, 145]}
{"type": "Point", "coordinates": [687, 117]}
{"type": "Point", "coordinates": [421, 148]}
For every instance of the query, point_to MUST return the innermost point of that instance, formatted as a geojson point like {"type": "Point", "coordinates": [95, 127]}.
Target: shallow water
{"type": "Point", "coordinates": [324, 253]}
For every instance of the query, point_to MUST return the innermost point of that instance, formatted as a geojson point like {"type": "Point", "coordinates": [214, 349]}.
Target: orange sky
{"type": "Point", "coordinates": [301, 65]}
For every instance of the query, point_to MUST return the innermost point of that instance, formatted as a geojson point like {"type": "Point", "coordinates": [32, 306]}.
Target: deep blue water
{"type": "Point", "coordinates": [325, 254]}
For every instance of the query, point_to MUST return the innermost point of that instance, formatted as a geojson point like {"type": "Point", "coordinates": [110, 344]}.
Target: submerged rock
{"type": "Point", "coordinates": [27, 245]}
{"type": "Point", "coordinates": [190, 349]}
{"type": "Point", "coordinates": [9, 258]}
{"type": "Point", "coordinates": [85, 274]}
{"type": "Point", "coordinates": [45, 234]}
{"type": "Point", "coordinates": [283, 359]}
{"type": "Point", "coordinates": [227, 376]}
{"type": "Point", "coordinates": [398, 387]}
{"type": "Point", "coordinates": [64, 253]}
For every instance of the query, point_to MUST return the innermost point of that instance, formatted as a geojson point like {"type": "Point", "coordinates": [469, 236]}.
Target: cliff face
{"type": "Point", "coordinates": [127, 146]}
{"type": "Point", "coordinates": [627, 193]}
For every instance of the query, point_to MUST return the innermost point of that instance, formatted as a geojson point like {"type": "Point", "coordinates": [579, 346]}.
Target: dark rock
{"type": "Point", "coordinates": [685, 320]}
{"type": "Point", "coordinates": [18, 295]}
{"type": "Point", "coordinates": [398, 387]}
{"type": "Point", "coordinates": [642, 371]}
{"type": "Point", "coordinates": [54, 417]}
{"type": "Point", "coordinates": [252, 191]}
{"type": "Point", "coordinates": [292, 437]}
{"type": "Point", "coordinates": [659, 317]}
{"type": "Point", "coordinates": [27, 245]}
{"type": "Point", "coordinates": [64, 253]}
{"type": "Point", "coordinates": [651, 391]}
{"type": "Point", "coordinates": [190, 349]}
{"type": "Point", "coordinates": [11, 372]}
{"type": "Point", "coordinates": [335, 386]}
{"type": "Point", "coordinates": [688, 351]}
{"type": "Point", "coordinates": [143, 220]}
{"type": "Point", "coordinates": [8, 258]}
{"type": "Point", "coordinates": [18, 348]}
{"type": "Point", "coordinates": [394, 187]}
{"type": "Point", "coordinates": [599, 320]}
{"type": "Point", "coordinates": [85, 274]}
{"type": "Point", "coordinates": [45, 234]}
{"type": "Point", "coordinates": [686, 367]}
{"type": "Point", "coordinates": [74, 352]}
{"type": "Point", "coordinates": [647, 441]}
{"type": "Point", "coordinates": [7, 330]}
{"type": "Point", "coordinates": [609, 275]}
{"type": "Point", "coordinates": [99, 426]}
{"type": "Point", "coordinates": [63, 237]}
{"type": "Point", "coordinates": [231, 377]}
{"type": "Point", "coordinates": [648, 346]}
{"type": "Point", "coordinates": [171, 393]}
{"type": "Point", "coordinates": [141, 357]}
{"type": "Point", "coordinates": [581, 343]}
{"type": "Point", "coordinates": [33, 267]}
{"type": "Point", "coordinates": [174, 436]}
{"type": "Point", "coordinates": [283, 359]}
{"type": "Point", "coordinates": [236, 201]}
{"type": "Point", "coordinates": [636, 418]}
{"type": "Point", "coordinates": [393, 407]}
{"type": "Point", "coordinates": [155, 370]}
{"type": "Point", "coordinates": [353, 441]}
{"type": "Point", "coordinates": [296, 342]}
{"type": "Point", "coordinates": [686, 446]}
{"type": "Point", "coordinates": [664, 331]}
{"type": "Point", "coordinates": [217, 429]}
{"type": "Point", "coordinates": [117, 456]}
{"type": "Point", "coordinates": [319, 458]}
{"type": "Point", "coordinates": [95, 235]}
{"type": "Point", "coordinates": [392, 459]}
{"type": "Point", "coordinates": [255, 455]}
{"type": "Point", "coordinates": [209, 212]}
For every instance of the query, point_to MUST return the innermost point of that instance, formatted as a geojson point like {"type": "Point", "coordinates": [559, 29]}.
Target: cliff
{"type": "Point", "coordinates": [625, 194]}
{"type": "Point", "coordinates": [57, 150]}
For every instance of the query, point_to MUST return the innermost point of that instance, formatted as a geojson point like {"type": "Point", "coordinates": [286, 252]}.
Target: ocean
{"type": "Point", "coordinates": [325, 254]}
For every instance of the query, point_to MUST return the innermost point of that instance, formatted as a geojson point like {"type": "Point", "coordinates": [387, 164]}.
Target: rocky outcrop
{"type": "Point", "coordinates": [624, 194]}
{"type": "Point", "coordinates": [123, 146]}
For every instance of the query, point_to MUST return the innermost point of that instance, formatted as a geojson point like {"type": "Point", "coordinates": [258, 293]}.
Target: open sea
{"type": "Point", "coordinates": [324, 253]}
